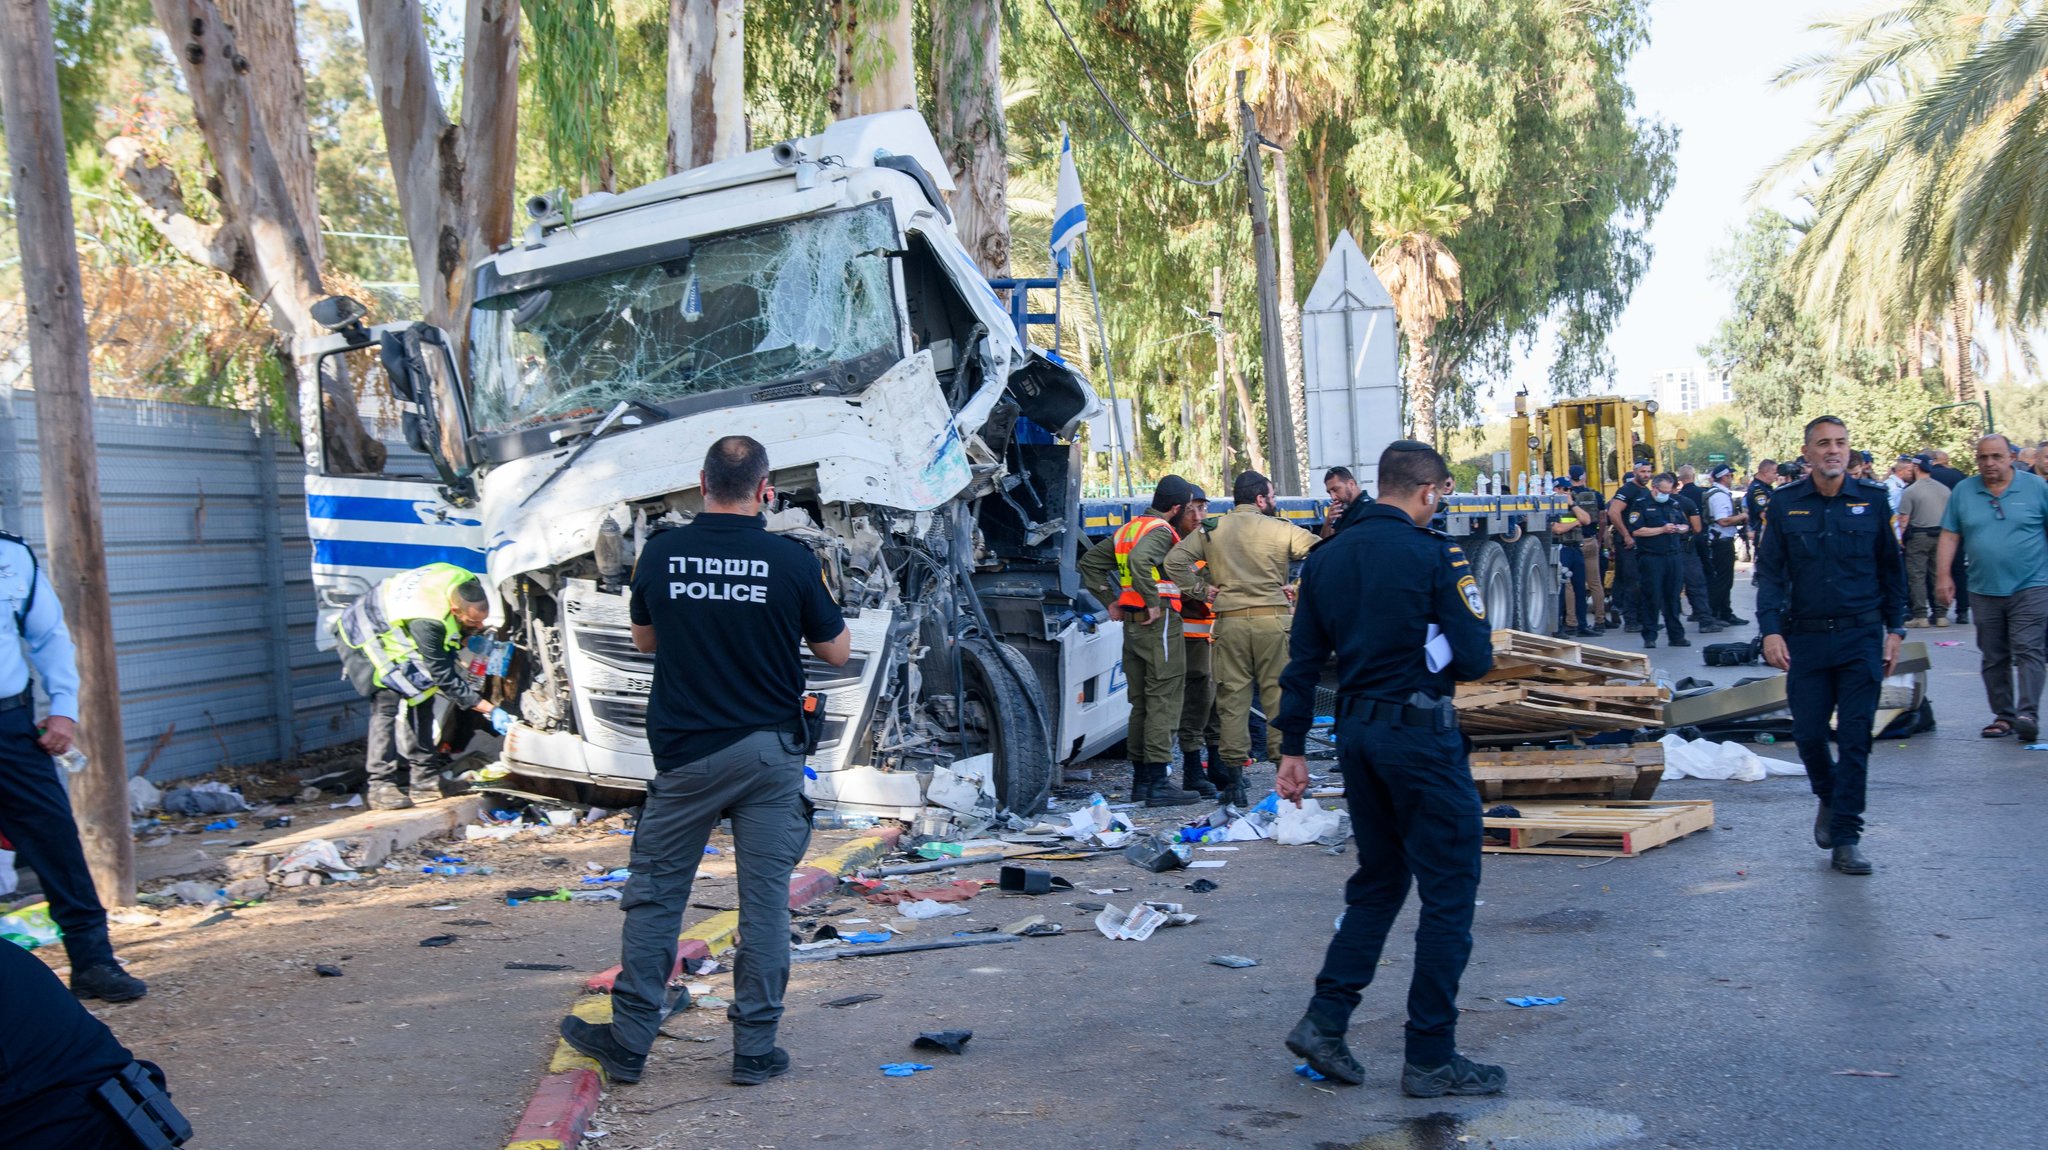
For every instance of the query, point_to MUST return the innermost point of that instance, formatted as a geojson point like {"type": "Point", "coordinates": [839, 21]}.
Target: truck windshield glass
{"type": "Point", "coordinates": [750, 308]}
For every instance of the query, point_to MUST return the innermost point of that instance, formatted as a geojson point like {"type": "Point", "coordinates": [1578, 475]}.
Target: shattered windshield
{"type": "Point", "coordinates": [764, 306]}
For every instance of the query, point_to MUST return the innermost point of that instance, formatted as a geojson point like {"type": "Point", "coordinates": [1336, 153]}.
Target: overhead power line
{"type": "Point", "coordinates": [1118, 112]}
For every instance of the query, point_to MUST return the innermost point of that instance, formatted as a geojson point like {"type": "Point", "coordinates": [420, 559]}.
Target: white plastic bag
{"type": "Point", "coordinates": [143, 796]}
{"type": "Point", "coordinates": [1702, 759]}
{"type": "Point", "coordinates": [1303, 823]}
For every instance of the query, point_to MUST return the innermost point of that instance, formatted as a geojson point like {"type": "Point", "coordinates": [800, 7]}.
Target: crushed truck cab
{"type": "Point", "coordinates": [813, 296]}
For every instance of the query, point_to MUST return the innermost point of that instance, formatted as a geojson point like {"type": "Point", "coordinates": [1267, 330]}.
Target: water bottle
{"type": "Point", "coordinates": [72, 760]}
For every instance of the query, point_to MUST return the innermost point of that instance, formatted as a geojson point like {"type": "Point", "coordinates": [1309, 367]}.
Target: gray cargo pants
{"type": "Point", "coordinates": [2011, 630]}
{"type": "Point", "coordinates": [758, 783]}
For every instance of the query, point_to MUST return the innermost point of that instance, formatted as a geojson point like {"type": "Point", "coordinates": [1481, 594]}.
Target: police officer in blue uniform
{"type": "Point", "coordinates": [1831, 606]}
{"type": "Point", "coordinates": [1406, 778]}
{"type": "Point", "coordinates": [35, 813]}
{"type": "Point", "coordinates": [1661, 527]}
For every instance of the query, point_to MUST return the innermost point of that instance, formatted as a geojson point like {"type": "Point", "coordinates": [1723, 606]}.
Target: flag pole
{"type": "Point", "coordinates": [1116, 423]}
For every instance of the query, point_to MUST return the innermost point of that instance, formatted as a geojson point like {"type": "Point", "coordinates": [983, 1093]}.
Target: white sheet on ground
{"type": "Point", "coordinates": [1705, 759]}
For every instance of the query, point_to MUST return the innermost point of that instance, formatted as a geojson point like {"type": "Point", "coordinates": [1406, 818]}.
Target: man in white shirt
{"type": "Point", "coordinates": [1722, 520]}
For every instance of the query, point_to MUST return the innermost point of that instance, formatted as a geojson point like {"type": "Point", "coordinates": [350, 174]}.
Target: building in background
{"type": "Point", "coordinates": [1681, 391]}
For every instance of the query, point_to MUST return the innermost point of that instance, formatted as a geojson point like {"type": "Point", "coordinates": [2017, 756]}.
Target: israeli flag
{"type": "Point", "coordinates": [1069, 214]}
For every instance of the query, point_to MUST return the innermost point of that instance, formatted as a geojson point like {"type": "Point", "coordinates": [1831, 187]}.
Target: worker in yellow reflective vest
{"type": "Point", "coordinates": [1199, 725]}
{"type": "Point", "coordinates": [399, 648]}
{"type": "Point", "coordinates": [1126, 572]}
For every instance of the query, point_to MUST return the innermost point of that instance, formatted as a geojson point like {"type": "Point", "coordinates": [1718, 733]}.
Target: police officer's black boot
{"type": "Point", "coordinates": [1161, 792]}
{"type": "Point", "coordinates": [1192, 777]}
{"type": "Point", "coordinates": [1219, 776]}
{"type": "Point", "coordinates": [1141, 782]}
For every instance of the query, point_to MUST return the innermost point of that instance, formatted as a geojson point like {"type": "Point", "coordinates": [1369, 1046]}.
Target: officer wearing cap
{"type": "Point", "coordinates": [1128, 571]}
{"type": "Point", "coordinates": [1693, 554]}
{"type": "Point", "coordinates": [1722, 521]}
{"type": "Point", "coordinates": [1406, 776]}
{"type": "Point", "coordinates": [1590, 541]}
{"type": "Point", "coordinates": [1831, 605]}
{"type": "Point", "coordinates": [1241, 567]}
{"type": "Point", "coordinates": [1568, 531]}
{"type": "Point", "coordinates": [35, 813]}
{"type": "Point", "coordinates": [1199, 727]}
{"type": "Point", "coordinates": [1756, 504]}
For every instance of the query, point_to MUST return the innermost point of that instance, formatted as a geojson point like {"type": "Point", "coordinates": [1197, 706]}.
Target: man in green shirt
{"type": "Point", "coordinates": [2000, 517]}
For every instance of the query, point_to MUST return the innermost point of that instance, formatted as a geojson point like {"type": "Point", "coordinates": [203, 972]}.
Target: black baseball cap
{"type": "Point", "coordinates": [1578, 473]}
{"type": "Point", "coordinates": [1924, 460]}
{"type": "Point", "coordinates": [1719, 470]}
{"type": "Point", "coordinates": [1196, 494]}
{"type": "Point", "coordinates": [1560, 481]}
{"type": "Point", "coordinates": [1171, 492]}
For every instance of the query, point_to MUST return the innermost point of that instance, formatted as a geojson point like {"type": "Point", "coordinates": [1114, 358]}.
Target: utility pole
{"type": "Point", "coordinates": [1279, 422]}
{"type": "Point", "coordinates": [57, 347]}
{"type": "Point", "coordinates": [1224, 458]}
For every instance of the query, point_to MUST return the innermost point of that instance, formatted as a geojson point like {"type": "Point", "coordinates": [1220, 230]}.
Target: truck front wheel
{"type": "Point", "coordinates": [1535, 585]}
{"type": "Point", "coordinates": [1006, 718]}
{"type": "Point", "coordinates": [1496, 582]}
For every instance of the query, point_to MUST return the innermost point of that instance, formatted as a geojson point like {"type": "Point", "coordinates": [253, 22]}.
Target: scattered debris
{"type": "Point", "coordinates": [1302, 823]}
{"type": "Point", "coordinates": [313, 857]}
{"type": "Point", "coordinates": [1208, 864]}
{"type": "Point", "coordinates": [852, 1000]}
{"type": "Point", "coordinates": [1155, 854]}
{"type": "Point", "coordinates": [195, 893]}
{"type": "Point", "coordinates": [537, 965]}
{"type": "Point", "coordinates": [439, 940]}
{"type": "Point", "coordinates": [1202, 885]}
{"type": "Point", "coordinates": [927, 908]}
{"type": "Point", "coordinates": [959, 891]}
{"type": "Point", "coordinates": [327, 970]}
{"type": "Point", "coordinates": [866, 936]}
{"type": "Point", "coordinates": [1529, 1000]}
{"type": "Point", "coordinates": [1136, 925]}
{"type": "Point", "coordinates": [1233, 961]}
{"type": "Point", "coordinates": [1030, 880]}
{"type": "Point", "coordinates": [209, 798]}
{"type": "Point", "coordinates": [1309, 1072]}
{"type": "Point", "coordinates": [29, 927]}
{"type": "Point", "coordinates": [950, 1041]}
{"type": "Point", "coordinates": [903, 1069]}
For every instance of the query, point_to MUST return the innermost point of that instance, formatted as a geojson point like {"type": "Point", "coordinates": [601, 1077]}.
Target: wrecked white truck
{"type": "Point", "coordinates": [814, 296]}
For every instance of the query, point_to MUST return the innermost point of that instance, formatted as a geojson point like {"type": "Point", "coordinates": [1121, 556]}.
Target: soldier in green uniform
{"type": "Point", "coordinates": [1240, 568]}
{"type": "Point", "coordinates": [1126, 572]}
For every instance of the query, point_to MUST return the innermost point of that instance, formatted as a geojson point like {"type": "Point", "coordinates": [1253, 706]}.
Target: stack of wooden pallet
{"type": "Point", "coordinates": [1621, 828]}
{"type": "Point", "coordinates": [1628, 771]}
{"type": "Point", "coordinates": [1549, 687]}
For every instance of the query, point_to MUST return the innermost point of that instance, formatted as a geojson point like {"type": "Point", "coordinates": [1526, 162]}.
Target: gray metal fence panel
{"type": "Point", "coordinates": [208, 565]}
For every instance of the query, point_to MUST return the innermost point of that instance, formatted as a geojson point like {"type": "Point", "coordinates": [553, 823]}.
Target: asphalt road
{"type": "Point", "coordinates": [1716, 988]}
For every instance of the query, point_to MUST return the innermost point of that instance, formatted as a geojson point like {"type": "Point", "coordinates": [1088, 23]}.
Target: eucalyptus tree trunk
{"type": "Point", "coordinates": [871, 44]}
{"type": "Point", "coordinates": [266, 33]}
{"type": "Point", "coordinates": [967, 116]}
{"type": "Point", "coordinates": [454, 180]}
{"type": "Point", "coordinates": [706, 82]}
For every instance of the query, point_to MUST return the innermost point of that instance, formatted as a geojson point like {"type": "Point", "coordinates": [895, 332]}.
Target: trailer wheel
{"type": "Point", "coordinates": [1535, 586]}
{"type": "Point", "coordinates": [1496, 583]}
{"type": "Point", "coordinates": [1006, 718]}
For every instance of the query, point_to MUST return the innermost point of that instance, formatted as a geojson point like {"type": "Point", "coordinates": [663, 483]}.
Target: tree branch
{"type": "Point", "coordinates": [156, 185]}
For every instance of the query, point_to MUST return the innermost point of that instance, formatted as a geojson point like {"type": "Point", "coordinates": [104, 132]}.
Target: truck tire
{"type": "Point", "coordinates": [1496, 583]}
{"type": "Point", "coordinates": [1006, 718]}
{"type": "Point", "coordinates": [1536, 603]}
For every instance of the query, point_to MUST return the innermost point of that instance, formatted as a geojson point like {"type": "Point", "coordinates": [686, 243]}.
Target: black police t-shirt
{"type": "Point", "coordinates": [1650, 513]}
{"type": "Point", "coordinates": [730, 605]}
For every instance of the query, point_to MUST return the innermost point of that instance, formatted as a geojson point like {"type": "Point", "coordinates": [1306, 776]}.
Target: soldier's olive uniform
{"type": "Point", "coordinates": [1247, 555]}
{"type": "Point", "coordinates": [1155, 657]}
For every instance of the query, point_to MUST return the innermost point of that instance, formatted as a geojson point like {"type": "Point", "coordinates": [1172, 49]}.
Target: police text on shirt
{"type": "Point", "coordinates": [727, 592]}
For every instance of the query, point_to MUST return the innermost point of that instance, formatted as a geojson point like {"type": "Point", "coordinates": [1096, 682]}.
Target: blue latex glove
{"type": "Point", "coordinates": [903, 1069]}
{"type": "Point", "coordinates": [501, 720]}
{"type": "Point", "coordinates": [1531, 1000]}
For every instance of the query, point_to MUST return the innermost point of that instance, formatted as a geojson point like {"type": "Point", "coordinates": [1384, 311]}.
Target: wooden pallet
{"type": "Point", "coordinates": [1612, 828]}
{"type": "Point", "coordinates": [1623, 772]}
{"type": "Point", "coordinates": [1523, 654]}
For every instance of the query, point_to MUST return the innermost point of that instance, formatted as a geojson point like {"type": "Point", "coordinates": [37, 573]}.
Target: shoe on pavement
{"type": "Point", "coordinates": [1681, 641]}
{"type": "Point", "coordinates": [107, 982]}
{"type": "Point", "coordinates": [595, 1040]}
{"type": "Point", "coordinates": [1823, 827]}
{"type": "Point", "coordinates": [1710, 628]}
{"type": "Point", "coordinates": [1460, 1075]}
{"type": "Point", "coordinates": [1916, 624]}
{"type": "Point", "coordinates": [1649, 642]}
{"type": "Point", "coordinates": [387, 797]}
{"type": "Point", "coordinates": [1586, 632]}
{"type": "Point", "coordinates": [1938, 621]}
{"type": "Point", "coordinates": [1734, 621]}
{"type": "Point", "coordinates": [1962, 618]}
{"type": "Point", "coordinates": [1325, 1053]}
{"type": "Point", "coordinates": [2027, 727]}
{"type": "Point", "coordinates": [1849, 859]}
{"type": "Point", "coordinates": [754, 1069]}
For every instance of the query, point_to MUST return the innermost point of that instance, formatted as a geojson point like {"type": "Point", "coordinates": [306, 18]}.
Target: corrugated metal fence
{"type": "Point", "coordinates": [209, 567]}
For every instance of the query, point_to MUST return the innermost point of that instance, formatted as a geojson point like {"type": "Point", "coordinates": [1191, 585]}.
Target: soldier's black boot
{"type": "Point", "coordinates": [1234, 794]}
{"type": "Point", "coordinates": [1219, 775]}
{"type": "Point", "coordinates": [1141, 782]}
{"type": "Point", "coordinates": [1160, 791]}
{"type": "Point", "coordinates": [1192, 777]}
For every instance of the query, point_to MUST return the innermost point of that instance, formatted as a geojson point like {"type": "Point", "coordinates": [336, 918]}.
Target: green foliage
{"type": "Point", "coordinates": [90, 37]}
{"type": "Point", "coordinates": [356, 190]}
{"type": "Point", "coordinates": [571, 64]}
{"type": "Point", "coordinates": [1783, 375]}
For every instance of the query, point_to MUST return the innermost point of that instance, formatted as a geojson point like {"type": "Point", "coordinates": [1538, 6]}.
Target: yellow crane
{"type": "Point", "coordinates": [1604, 434]}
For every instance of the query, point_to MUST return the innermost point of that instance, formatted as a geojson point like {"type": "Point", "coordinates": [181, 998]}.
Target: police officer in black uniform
{"type": "Point", "coordinates": [1661, 528]}
{"type": "Point", "coordinates": [1697, 561]}
{"type": "Point", "coordinates": [1628, 585]}
{"type": "Point", "coordinates": [1831, 606]}
{"type": "Point", "coordinates": [1406, 778]}
{"type": "Point", "coordinates": [1756, 504]}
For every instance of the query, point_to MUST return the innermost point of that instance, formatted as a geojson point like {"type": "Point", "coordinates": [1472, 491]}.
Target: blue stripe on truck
{"type": "Point", "coordinates": [369, 509]}
{"type": "Point", "coordinates": [393, 556]}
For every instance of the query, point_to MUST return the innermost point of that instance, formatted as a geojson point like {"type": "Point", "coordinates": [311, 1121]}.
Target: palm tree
{"type": "Point", "coordinates": [1296, 56]}
{"type": "Point", "coordinates": [1896, 175]}
{"type": "Point", "coordinates": [1417, 268]}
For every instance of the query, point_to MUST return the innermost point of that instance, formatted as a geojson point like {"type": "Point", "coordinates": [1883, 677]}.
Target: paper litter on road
{"type": "Point", "coordinates": [1206, 864]}
{"type": "Point", "coordinates": [1135, 925]}
{"type": "Point", "coordinates": [1216, 848]}
{"type": "Point", "coordinates": [927, 908]}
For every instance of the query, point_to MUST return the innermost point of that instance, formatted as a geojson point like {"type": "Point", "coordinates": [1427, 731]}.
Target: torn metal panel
{"type": "Point", "coordinates": [1750, 700]}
